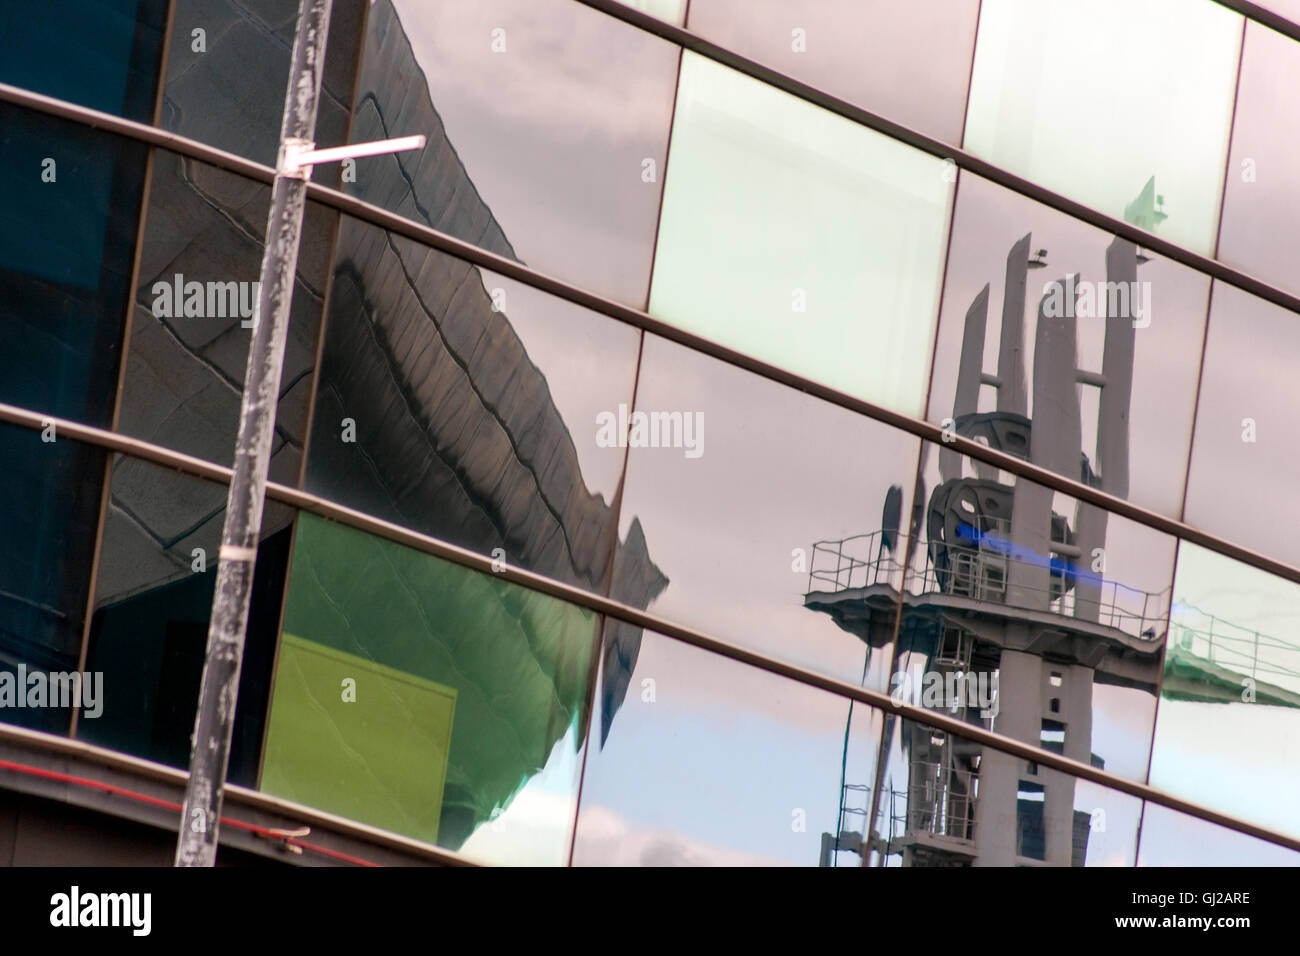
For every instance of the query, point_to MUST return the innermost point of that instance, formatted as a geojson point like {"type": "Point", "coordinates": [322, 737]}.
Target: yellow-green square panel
{"type": "Point", "coordinates": [359, 739]}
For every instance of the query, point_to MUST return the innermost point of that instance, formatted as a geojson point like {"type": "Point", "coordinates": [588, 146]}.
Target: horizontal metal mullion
{"type": "Point", "coordinates": [141, 132]}
{"type": "Point", "coordinates": [1264, 17]}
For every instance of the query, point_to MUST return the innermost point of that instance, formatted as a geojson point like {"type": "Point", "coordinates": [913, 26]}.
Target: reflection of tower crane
{"type": "Point", "coordinates": [1005, 587]}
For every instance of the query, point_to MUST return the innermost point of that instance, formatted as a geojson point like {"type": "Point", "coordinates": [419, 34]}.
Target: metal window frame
{"type": "Point", "coordinates": [381, 218]}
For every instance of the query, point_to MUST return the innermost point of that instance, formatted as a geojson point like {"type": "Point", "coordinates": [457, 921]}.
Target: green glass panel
{"type": "Point", "coordinates": [1123, 105]}
{"type": "Point", "coordinates": [801, 238]}
{"type": "Point", "coordinates": [358, 739]}
{"type": "Point", "coordinates": [517, 663]}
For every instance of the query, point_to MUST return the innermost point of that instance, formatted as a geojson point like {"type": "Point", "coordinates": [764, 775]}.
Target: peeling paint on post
{"type": "Point", "coordinates": [214, 723]}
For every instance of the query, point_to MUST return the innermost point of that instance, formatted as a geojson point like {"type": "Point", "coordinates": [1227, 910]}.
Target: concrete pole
{"type": "Point", "coordinates": [214, 723]}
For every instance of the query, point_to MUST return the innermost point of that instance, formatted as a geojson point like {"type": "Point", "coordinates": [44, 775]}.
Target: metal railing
{"type": "Point", "coordinates": [855, 562]}
{"type": "Point", "coordinates": [985, 571]}
{"type": "Point", "coordinates": [936, 801]}
{"type": "Point", "coordinates": [941, 801]}
{"type": "Point", "coordinates": [1239, 649]}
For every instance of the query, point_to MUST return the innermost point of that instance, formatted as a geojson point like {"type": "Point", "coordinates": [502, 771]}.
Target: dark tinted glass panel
{"type": "Point", "coordinates": [1068, 347]}
{"type": "Point", "coordinates": [1244, 450]}
{"type": "Point", "coordinates": [1170, 838]}
{"type": "Point", "coordinates": [228, 67]}
{"type": "Point", "coordinates": [946, 801]}
{"type": "Point", "coordinates": [66, 236]}
{"type": "Point", "coordinates": [1261, 207]}
{"type": "Point", "coordinates": [906, 60]}
{"type": "Point", "coordinates": [773, 518]}
{"type": "Point", "coordinates": [710, 762]}
{"type": "Point", "coordinates": [153, 593]}
{"type": "Point", "coordinates": [50, 489]}
{"type": "Point", "coordinates": [98, 53]}
{"type": "Point", "coordinates": [427, 699]}
{"type": "Point", "coordinates": [465, 406]}
{"type": "Point", "coordinates": [1057, 604]}
{"type": "Point", "coordinates": [200, 264]}
{"type": "Point", "coordinates": [1228, 733]}
{"type": "Point", "coordinates": [547, 125]}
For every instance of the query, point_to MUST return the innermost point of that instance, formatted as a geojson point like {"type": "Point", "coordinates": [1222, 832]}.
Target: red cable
{"type": "Point", "coordinates": [169, 805]}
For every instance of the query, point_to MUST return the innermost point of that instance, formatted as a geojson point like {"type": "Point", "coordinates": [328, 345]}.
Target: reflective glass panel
{"type": "Point", "coordinates": [98, 53]}
{"type": "Point", "coordinates": [711, 762]}
{"type": "Point", "coordinates": [50, 488]}
{"type": "Point", "coordinates": [773, 518]}
{"type": "Point", "coordinates": [1060, 606]}
{"type": "Point", "coordinates": [1244, 449]}
{"type": "Point", "coordinates": [197, 292]}
{"type": "Point", "coordinates": [1065, 346]}
{"type": "Point", "coordinates": [547, 126]}
{"type": "Point", "coordinates": [1123, 105]}
{"type": "Point", "coordinates": [1228, 730]}
{"type": "Point", "coordinates": [67, 232]}
{"type": "Point", "coordinates": [1261, 206]}
{"type": "Point", "coordinates": [67, 235]}
{"type": "Point", "coordinates": [1170, 838]}
{"type": "Point", "coordinates": [464, 406]}
{"type": "Point", "coordinates": [158, 557]}
{"type": "Point", "coordinates": [946, 801]}
{"type": "Point", "coordinates": [908, 60]}
{"type": "Point", "coordinates": [437, 702]}
{"type": "Point", "coordinates": [228, 67]}
{"type": "Point", "coordinates": [801, 238]}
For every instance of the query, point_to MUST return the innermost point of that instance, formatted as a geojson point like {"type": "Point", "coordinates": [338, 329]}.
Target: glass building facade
{"type": "Point", "coordinates": [798, 432]}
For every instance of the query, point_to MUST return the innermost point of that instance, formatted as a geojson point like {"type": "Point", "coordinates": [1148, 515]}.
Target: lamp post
{"type": "Point", "coordinates": [214, 721]}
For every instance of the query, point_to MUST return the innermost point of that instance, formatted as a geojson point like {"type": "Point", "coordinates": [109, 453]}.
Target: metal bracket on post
{"type": "Point", "coordinates": [291, 163]}
{"type": "Point", "coordinates": [298, 156]}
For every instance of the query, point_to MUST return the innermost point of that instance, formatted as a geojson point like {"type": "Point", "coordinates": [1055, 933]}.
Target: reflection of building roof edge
{"type": "Point", "coordinates": [384, 18]}
{"type": "Point", "coordinates": [390, 67]}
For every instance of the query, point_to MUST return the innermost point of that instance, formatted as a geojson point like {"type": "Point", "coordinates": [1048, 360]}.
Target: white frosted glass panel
{"type": "Point", "coordinates": [1092, 98]}
{"type": "Point", "coordinates": [671, 10]}
{"type": "Point", "coordinates": [1228, 728]}
{"type": "Point", "coordinates": [800, 238]}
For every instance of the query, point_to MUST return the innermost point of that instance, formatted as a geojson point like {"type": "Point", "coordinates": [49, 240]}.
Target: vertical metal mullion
{"type": "Point", "coordinates": [227, 629]}
{"type": "Point", "coordinates": [1191, 435]}
{"type": "Point", "coordinates": [617, 504]}
{"type": "Point", "coordinates": [127, 326]}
